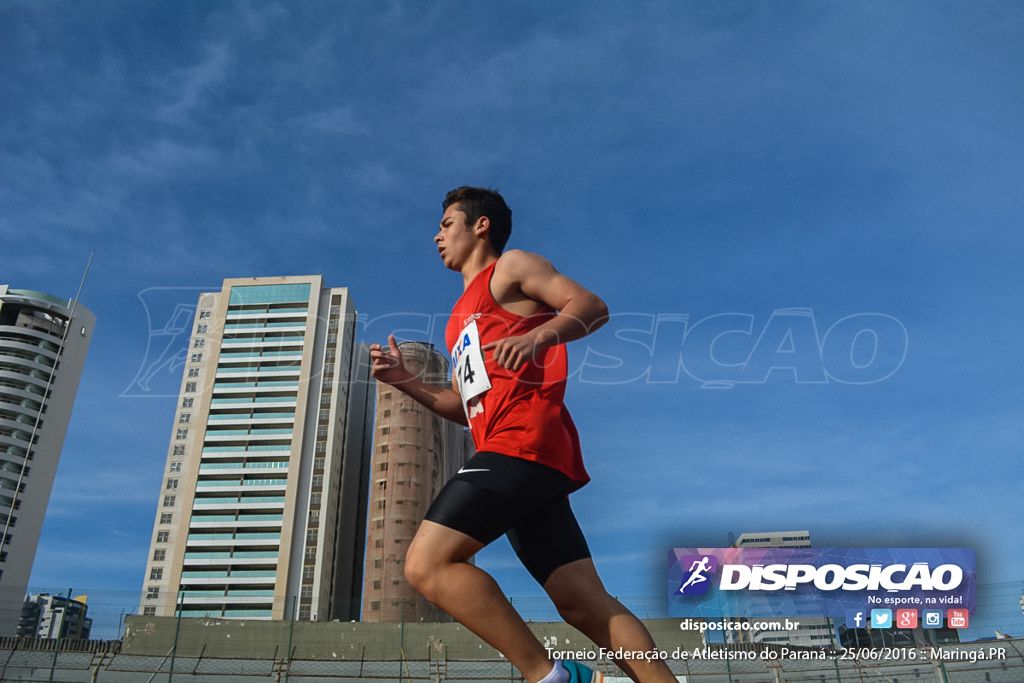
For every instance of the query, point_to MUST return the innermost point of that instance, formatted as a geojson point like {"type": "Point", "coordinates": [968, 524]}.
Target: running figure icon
{"type": "Point", "coordinates": [696, 570]}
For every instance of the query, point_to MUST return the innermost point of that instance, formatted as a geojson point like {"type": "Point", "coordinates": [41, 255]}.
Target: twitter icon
{"type": "Point", "coordinates": [881, 618]}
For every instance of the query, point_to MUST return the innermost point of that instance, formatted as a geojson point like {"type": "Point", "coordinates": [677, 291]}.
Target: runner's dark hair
{"type": "Point", "coordinates": [481, 201]}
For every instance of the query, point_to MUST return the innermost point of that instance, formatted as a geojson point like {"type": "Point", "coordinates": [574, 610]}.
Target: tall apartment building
{"type": "Point", "coordinates": [262, 509]}
{"type": "Point", "coordinates": [43, 344]}
{"type": "Point", "coordinates": [414, 453]}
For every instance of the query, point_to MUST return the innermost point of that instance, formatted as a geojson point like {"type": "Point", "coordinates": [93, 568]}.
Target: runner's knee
{"type": "Point", "coordinates": [587, 611]}
{"type": "Point", "coordinates": [418, 569]}
{"type": "Point", "coordinates": [426, 563]}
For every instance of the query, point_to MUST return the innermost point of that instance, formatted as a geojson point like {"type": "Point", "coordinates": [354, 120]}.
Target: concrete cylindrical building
{"type": "Point", "coordinates": [414, 453]}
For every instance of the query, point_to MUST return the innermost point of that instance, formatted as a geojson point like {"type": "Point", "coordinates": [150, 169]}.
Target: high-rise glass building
{"type": "Point", "coordinates": [261, 513]}
{"type": "Point", "coordinates": [43, 344]}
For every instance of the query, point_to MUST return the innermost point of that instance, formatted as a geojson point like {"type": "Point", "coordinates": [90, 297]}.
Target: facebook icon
{"type": "Point", "coordinates": [855, 618]}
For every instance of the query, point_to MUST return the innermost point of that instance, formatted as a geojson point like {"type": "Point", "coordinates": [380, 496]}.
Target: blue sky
{"type": "Point", "coordinates": [804, 216]}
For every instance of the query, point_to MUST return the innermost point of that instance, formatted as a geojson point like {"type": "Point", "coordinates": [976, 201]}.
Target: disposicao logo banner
{"type": "Point", "coordinates": [816, 582]}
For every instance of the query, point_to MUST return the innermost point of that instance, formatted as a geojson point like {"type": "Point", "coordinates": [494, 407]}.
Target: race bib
{"type": "Point", "coordinates": [468, 361]}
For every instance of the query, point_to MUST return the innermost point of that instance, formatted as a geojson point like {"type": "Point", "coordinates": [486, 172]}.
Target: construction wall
{"type": "Point", "coordinates": [226, 638]}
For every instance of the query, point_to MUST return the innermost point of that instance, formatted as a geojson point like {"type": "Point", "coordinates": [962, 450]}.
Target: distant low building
{"type": "Point", "coordinates": [54, 616]}
{"type": "Point", "coordinates": [812, 632]}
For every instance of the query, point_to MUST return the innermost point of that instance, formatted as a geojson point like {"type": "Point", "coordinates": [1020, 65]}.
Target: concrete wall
{"type": "Point", "coordinates": [348, 641]}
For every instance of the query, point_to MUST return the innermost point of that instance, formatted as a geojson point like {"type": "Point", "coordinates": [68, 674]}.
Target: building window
{"type": "Point", "coordinates": [162, 536]}
{"type": "Point", "coordinates": [196, 357]}
{"type": "Point", "coordinates": [166, 517]}
{"type": "Point", "coordinates": [149, 611]}
{"type": "Point", "coordinates": [156, 574]}
{"type": "Point", "coordinates": [198, 343]}
{"type": "Point", "coordinates": [190, 387]}
{"type": "Point", "coordinates": [185, 418]}
{"type": "Point", "coordinates": [193, 372]}
{"type": "Point", "coordinates": [172, 484]}
{"type": "Point", "coordinates": [179, 450]}
{"type": "Point", "coordinates": [181, 434]}
{"type": "Point", "coordinates": [168, 501]}
{"type": "Point", "coordinates": [153, 592]}
{"type": "Point", "coordinates": [203, 315]}
{"type": "Point", "coordinates": [175, 466]}
{"type": "Point", "coordinates": [187, 402]}
{"type": "Point", "coordinates": [201, 329]}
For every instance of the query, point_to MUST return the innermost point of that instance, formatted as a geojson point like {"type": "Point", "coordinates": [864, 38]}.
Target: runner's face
{"type": "Point", "coordinates": [454, 239]}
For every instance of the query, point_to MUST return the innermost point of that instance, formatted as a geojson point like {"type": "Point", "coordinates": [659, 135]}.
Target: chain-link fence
{"type": "Point", "coordinates": [998, 609]}
{"type": "Point", "coordinates": [997, 662]}
{"type": "Point", "coordinates": [129, 647]}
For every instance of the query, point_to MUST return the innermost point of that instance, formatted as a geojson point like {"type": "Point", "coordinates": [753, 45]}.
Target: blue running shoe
{"type": "Point", "coordinates": [581, 674]}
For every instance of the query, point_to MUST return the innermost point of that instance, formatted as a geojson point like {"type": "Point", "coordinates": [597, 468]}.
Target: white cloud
{"type": "Point", "coordinates": [190, 85]}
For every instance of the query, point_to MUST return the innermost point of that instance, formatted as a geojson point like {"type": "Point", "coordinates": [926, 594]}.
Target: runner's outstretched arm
{"type": "Point", "coordinates": [387, 366]}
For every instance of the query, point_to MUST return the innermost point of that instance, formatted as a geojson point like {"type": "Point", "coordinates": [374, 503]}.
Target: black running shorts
{"type": "Point", "coordinates": [494, 494]}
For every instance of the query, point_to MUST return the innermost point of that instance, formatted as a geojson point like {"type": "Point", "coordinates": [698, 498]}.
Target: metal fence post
{"type": "Point", "coordinates": [291, 633]}
{"type": "Point", "coordinates": [177, 630]}
{"type": "Point", "coordinates": [60, 633]}
{"type": "Point", "coordinates": [401, 644]}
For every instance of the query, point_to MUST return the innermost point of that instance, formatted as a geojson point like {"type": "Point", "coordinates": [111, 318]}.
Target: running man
{"type": "Point", "coordinates": [507, 336]}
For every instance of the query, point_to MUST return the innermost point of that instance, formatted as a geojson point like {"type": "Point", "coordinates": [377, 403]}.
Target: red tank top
{"type": "Point", "coordinates": [522, 414]}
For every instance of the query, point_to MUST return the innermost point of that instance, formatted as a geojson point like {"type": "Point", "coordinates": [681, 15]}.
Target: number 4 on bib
{"type": "Point", "coordinates": [467, 372]}
{"type": "Point", "coordinates": [470, 373]}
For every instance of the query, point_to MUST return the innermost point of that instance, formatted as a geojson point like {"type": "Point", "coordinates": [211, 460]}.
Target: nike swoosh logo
{"type": "Point", "coordinates": [463, 470]}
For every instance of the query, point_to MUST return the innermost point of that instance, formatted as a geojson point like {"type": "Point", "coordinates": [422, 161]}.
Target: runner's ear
{"type": "Point", "coordinates": [482, 226]}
